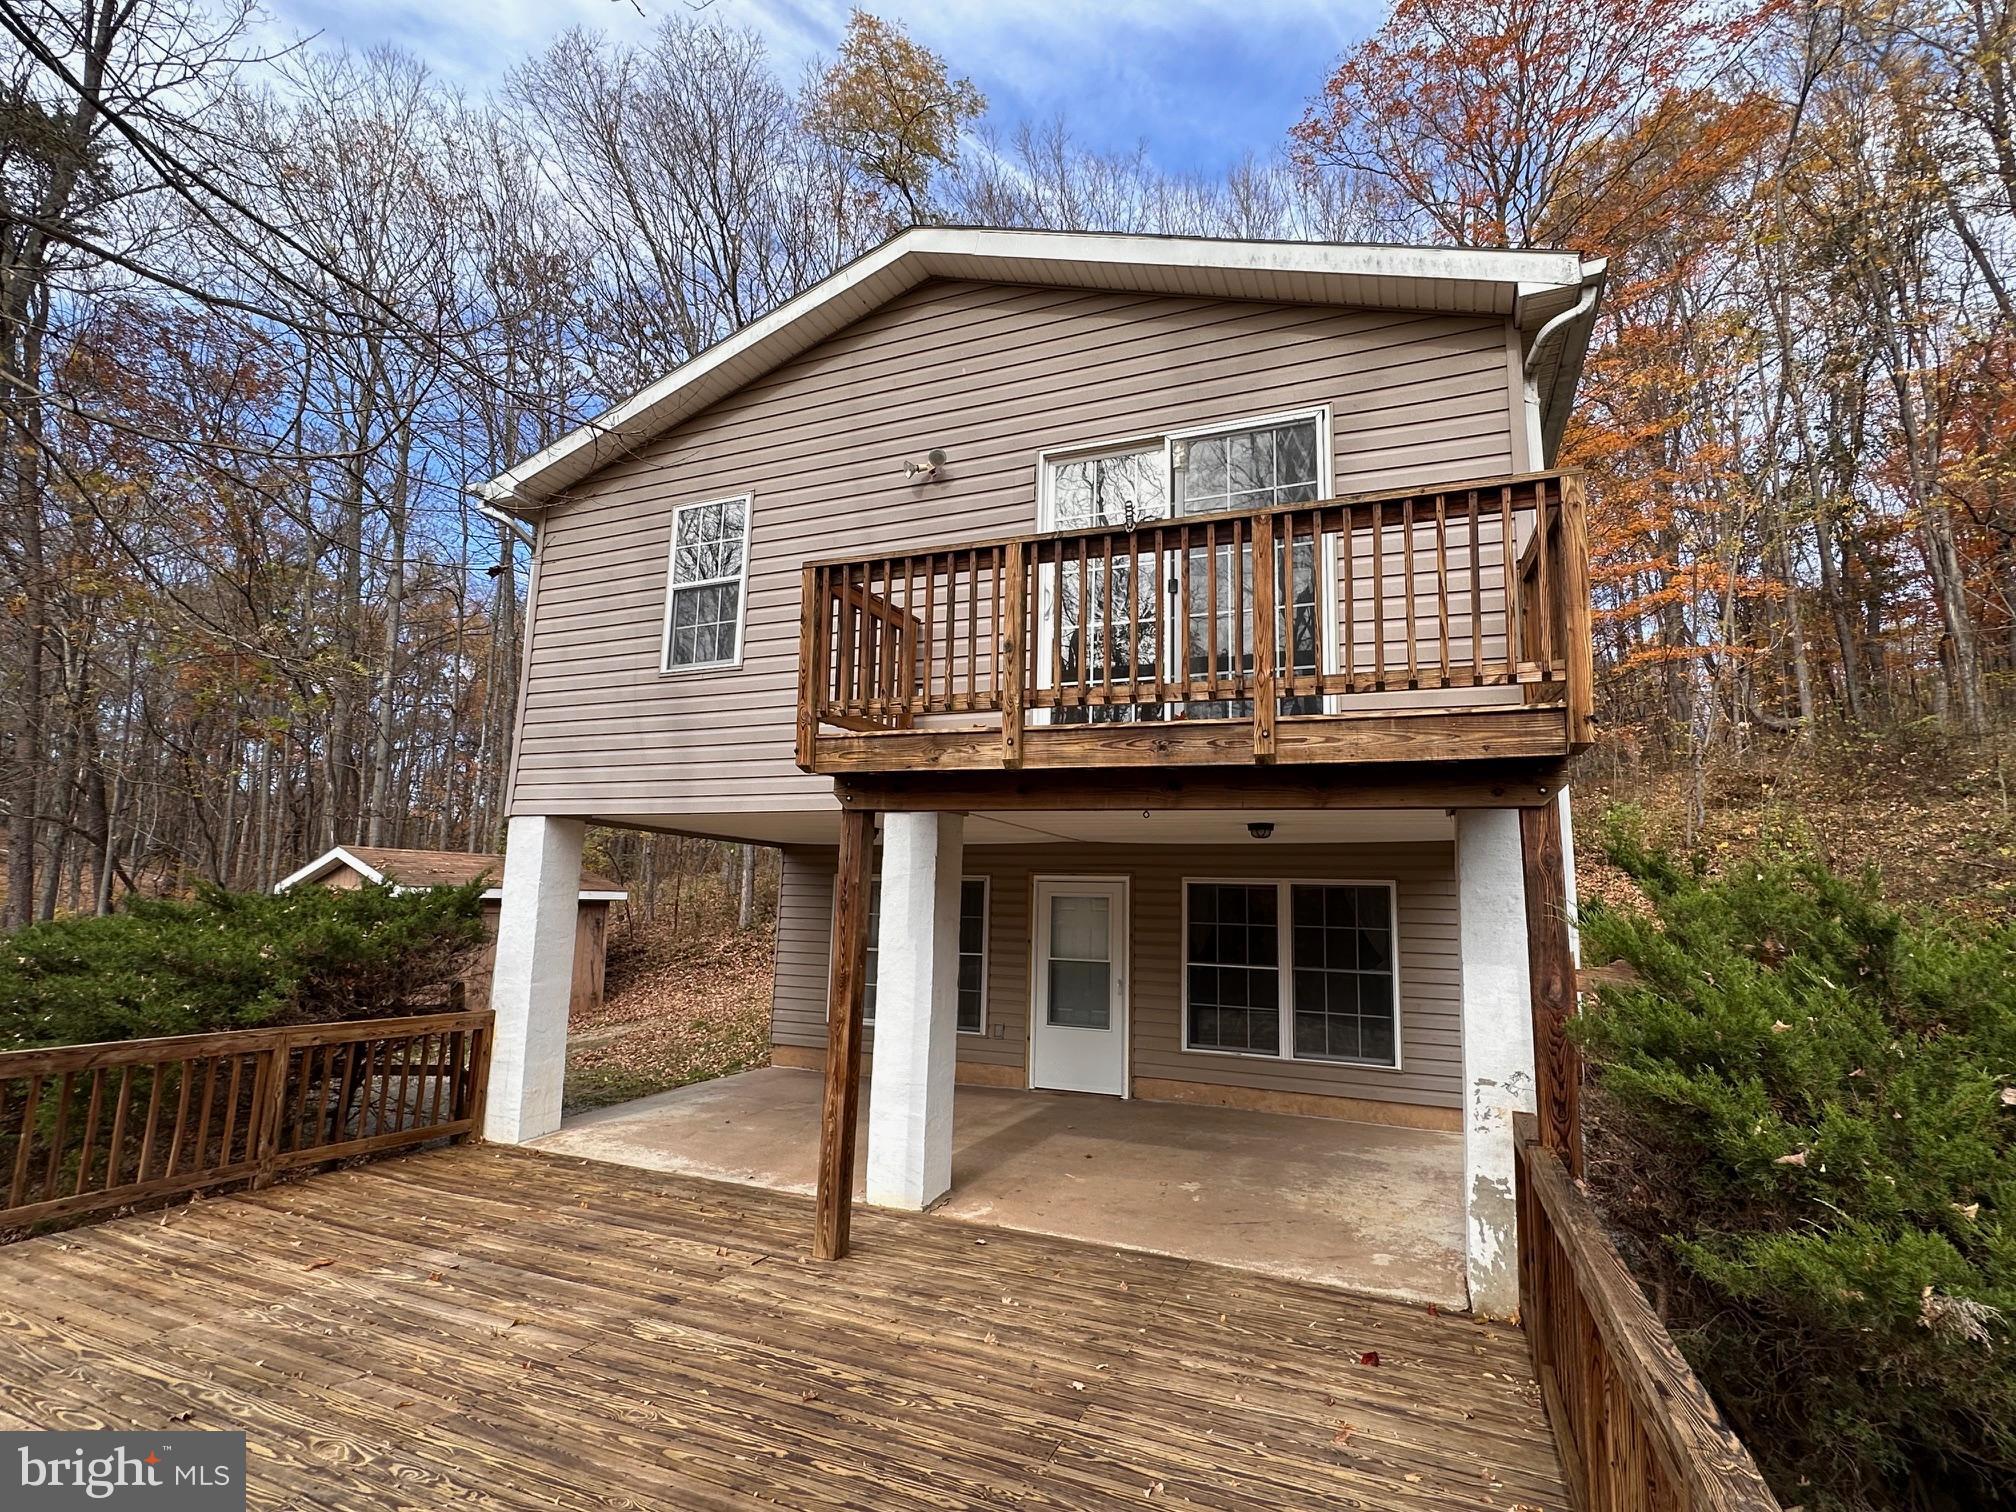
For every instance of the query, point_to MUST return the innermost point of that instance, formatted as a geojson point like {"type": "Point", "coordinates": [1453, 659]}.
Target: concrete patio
{"type": "Point", "coordinates": [1370, 1208]}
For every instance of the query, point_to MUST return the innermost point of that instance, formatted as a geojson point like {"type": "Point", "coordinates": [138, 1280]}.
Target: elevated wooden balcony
{"type": "Point", "coordinates": [1384, 628]}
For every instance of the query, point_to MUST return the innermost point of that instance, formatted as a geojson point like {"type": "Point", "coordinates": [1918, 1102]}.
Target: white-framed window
{"type": "Point", "coordinates": [1247, 462]}
{"type": "Point", "coordinates": [1292, 969]}
{"type": "Point", "coordinates": [1106, 483]}
{"type": "Point", "coordinates": [973, 911]}
{"type": "Point", "coordinates": [706, 584]}
{"type": "Point", "coordinates": [1251, 462]}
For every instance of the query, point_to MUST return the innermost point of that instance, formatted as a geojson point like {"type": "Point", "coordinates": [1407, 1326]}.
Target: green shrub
{"type": "Point", "coordinates": [233, 961]}
{"type": "Point", "coordinates": [1804, 1130]}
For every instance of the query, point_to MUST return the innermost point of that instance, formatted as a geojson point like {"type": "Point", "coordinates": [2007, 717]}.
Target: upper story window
{"type": "Point", "coordinates": [1111, 486]}
{"type": "Point", "coordinates": [1255, 463]}
{"type": "Point", "coordinates": [1240, 464]}
{"type": "Point", "coordinates": [1255, 467]}
{"type": "Point", "coordinates": [708, 574]}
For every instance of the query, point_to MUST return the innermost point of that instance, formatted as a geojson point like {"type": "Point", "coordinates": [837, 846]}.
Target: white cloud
{"type": "Point", "coordinates": [1198, 80]}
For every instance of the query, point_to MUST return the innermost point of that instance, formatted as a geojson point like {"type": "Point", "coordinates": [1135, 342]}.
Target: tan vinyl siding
{"type": "Point", "coordinates": [1431, 1069]}
{"type": "Point", "coordinates": [992, 373]}
{"type": "Point", "coordinates": [805, 935]}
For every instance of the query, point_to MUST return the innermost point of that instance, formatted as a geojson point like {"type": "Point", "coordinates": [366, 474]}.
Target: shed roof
{"type": "Point", "coordinates": [432, 868]}
{"type": "Point", "coordinates": [1536, 289]}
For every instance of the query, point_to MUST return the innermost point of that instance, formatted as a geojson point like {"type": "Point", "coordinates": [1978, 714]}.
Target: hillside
{"type": "Point", "coordinates": [676, 1010]}
{"type": "Point", "coordinates": [1936, 819]}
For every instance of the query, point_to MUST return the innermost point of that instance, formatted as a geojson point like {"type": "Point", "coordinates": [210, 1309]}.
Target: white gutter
{"type": "Point", "coordinates": [1560, 322]}
{"type": "Point", "coordinates": [478, 496]}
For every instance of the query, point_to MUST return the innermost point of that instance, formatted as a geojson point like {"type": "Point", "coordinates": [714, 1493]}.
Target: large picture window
{"type": "Point", "coordinates": [705, 584]}
{"type": "Point", "coordinates": [1294, 970]}
{"type": "Point", "coordinates": [972, 953]}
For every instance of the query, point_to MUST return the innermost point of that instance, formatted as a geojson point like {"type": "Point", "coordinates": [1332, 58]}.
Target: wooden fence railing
{"type": "Point", "coordinates": [84, 1127]}
{"type": "Point", "coordinates": [1259, 614]}
{"type": "Point", "coordinates": [1638, 1432]}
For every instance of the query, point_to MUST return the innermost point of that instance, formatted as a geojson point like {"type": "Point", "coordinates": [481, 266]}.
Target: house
{"type": "Point", "coordinates": [1156, 658]}
{"type": "Point", "coordinates": [361, 865]}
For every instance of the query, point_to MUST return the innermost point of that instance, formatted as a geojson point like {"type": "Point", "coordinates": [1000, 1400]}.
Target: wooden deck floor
{"type": "Point", "coordinates": [488, 1327]}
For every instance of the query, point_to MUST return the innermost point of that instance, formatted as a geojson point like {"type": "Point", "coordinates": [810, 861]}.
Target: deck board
{"type": "Point", "coordinates": [490, 1327]}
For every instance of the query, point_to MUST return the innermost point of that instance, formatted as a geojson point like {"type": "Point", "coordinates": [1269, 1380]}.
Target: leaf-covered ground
{"type": "Point", "coordinates": [674, 1012]}
{"type": "Point", "coordinates": [1936, 819]}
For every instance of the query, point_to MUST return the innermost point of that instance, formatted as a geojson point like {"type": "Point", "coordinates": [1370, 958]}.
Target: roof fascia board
{"type": "Point", "coordinates": [328, 862]}
{"type": "Point", "coordinates": [506, 489]}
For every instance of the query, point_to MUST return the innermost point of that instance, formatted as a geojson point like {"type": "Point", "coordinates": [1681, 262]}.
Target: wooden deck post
{"type": "Point", "coordinates": [813, 612]}
{"type": "Point", "coordinates": [1266, 695]}
{"type": "Point", "coordinates": [1551, 967]}
{"type": "Point", "coordinates": [839, 1112]}
{"type": "Point", "coordinates": [1578, 637]}
{"type": "Point", "coordinates": [269, 1093]}
{"type": "Point", "coordinates": [1013, 649]}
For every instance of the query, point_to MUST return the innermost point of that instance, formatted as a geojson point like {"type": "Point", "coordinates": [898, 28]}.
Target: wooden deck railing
{"type": "Point", "coordinates": [1636, 1428]}
{"type": "Point", "coordinates": [1303, 611]}
{"type": "Point", "coordinates": [84, 1127]}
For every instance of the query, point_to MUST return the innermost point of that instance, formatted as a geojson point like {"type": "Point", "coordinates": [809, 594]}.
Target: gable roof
{"type": "Point", "coordinates": [1541, 291]}
{"type": "Point", "coordinates": [428, 868]}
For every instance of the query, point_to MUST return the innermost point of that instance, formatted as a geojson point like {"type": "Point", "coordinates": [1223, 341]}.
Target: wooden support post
{"type": "Point", "coordinates": [839, 1113]}
{"type": "Point", "coordinates": [1266, 693]}
{"type": "Point", "coordinates": [1578, 635]}
{"type": "Point", "coordinates": [1012, 646]}
{"type": "Point", "coordinates": [1551, 969]}
{"type": "Point", "coordinates": [479, 1067]}
{"type": "Point", "coordinates": [269, 1092]}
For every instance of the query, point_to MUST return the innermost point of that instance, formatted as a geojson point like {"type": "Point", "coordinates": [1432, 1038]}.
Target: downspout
{"type": "Point", "coordinates": [1557, 326]}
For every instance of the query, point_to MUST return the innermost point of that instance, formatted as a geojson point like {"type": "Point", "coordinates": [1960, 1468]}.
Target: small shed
{"type": "Point", "coordinates": [356, 865]}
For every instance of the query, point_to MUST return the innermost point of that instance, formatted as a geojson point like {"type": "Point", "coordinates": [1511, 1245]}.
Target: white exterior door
{"type": "Point", "coordinates": [1078, 1035]}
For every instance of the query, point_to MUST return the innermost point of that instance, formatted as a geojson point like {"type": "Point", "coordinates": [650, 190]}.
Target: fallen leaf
{"type": "Point", "coordinates": [1370, 1357]}
{"type": "Point", "coordinates": [2009, 1097]}
{"type": "Point", "coordinates": [318, 1264]}
{"type": "Point", "coordinates": [1797, 1157]}
{"type": "Point", "coordinates": [1779, 1026]}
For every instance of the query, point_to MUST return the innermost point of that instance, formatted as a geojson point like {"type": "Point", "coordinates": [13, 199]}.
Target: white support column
{"type": "Point", "coordinates": [534, 977]}
{"type": "Point", "coordinates": [916, 1011]}
{"type": "Point", "coordinates": [1497, 1046]}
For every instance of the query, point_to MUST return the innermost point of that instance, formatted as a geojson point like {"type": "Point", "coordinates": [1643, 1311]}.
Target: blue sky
{"type": "Point", "coordinates": [1199, 82]}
